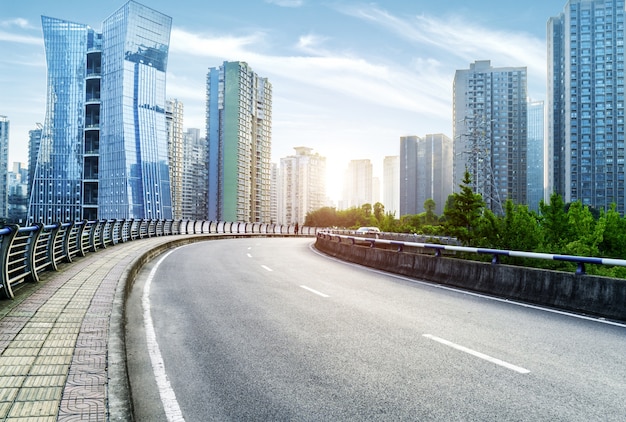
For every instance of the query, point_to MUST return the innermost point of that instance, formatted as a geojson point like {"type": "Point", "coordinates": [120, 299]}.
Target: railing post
{"type": "Point", "coordinates": [580, 268]}
{"type": "Point", "coordinates": [52, 255]}
{"type": "Point", "coordinates": [79, 239]}
{"type": "Point", "coordinates": [31, 251]}
{"type": "Point", "coordinates": [5, 247]}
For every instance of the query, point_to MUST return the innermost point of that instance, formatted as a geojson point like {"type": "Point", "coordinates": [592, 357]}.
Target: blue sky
{"type": "Point", "coordinates": [349, 78]}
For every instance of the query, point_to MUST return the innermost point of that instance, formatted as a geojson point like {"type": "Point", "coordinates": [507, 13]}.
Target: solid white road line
{"type": "Point", "coordinates": [168, 398]}
{"type": "Point", "coordinates": [266, 268]}
{"type": "Point", "coordinates": [314, 291]}
{"type": "Point", "coordinates": [478, 354]}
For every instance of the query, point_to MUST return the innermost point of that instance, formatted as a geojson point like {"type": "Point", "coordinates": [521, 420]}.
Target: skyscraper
{"type": "Point", "coordinates": [4, 166]}
{"type": "Point", "coordinates": [239, 131]}
{"type": "Point", "coordinates": [536, 150]}
{"type": "Point", "coordinates": [425, 172]}
{"type": "Point", "coordinates": [175, 139]}
{"type": "Point", "coordinates": [103, 151]}
{"type": "Point", "coordinates": [358, 188]}
{"type": "Point", "coordinates": [490, 124]}
{"type": "Point", "coordinates": [302, 185]}
{"type": "Point", "coordinates": [391, 184]}
{"type": "Point", "coordinates": [194, 175]}
{"type": "Point", "coordinates": [586, 103]}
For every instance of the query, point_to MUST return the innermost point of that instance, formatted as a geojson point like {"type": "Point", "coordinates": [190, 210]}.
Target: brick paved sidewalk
{"type": "Point", "coordinates": [61, 347]}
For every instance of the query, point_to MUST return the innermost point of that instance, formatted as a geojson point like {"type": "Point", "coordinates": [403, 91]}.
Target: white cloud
{"type": "Point", "coordinates": [286, 3]}
{"type": "Point", "coordinates": [20, 39]}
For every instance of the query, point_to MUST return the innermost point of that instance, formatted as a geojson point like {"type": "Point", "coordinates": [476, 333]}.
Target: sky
{"type": "Point", "coordinates": [349, 78]}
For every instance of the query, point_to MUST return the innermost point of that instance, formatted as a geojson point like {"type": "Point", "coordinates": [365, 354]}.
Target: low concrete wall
{"type": "Point", "coordinates": [598, 296]}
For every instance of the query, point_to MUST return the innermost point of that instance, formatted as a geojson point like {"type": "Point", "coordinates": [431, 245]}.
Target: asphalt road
{"type": "Point", "coordinates": [270, 330]}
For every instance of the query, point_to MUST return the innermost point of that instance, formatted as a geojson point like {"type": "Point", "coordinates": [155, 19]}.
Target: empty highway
{"type": "Point", "coordinates": [264, 329]}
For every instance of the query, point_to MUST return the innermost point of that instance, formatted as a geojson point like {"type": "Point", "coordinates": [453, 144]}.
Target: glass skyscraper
{"type": "Point", "coordinates": [586, 103]}
{"type": "Point", "coordinates": [103, 150]}
{"type": "Point", "coordinates": [239, 131]}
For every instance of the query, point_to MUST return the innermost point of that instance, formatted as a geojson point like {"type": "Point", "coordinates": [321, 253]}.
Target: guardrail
{"type": "Point", "coordinates": [580, 261]}
{"type": "Point", "coordinates": [26, 252]}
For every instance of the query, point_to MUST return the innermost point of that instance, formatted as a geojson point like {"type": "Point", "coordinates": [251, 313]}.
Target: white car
{"type": "Point", "coordinates": [365, 230]}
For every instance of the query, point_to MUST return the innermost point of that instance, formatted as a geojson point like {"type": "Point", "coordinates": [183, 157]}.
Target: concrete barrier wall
{"type": "Point", "coordinates": [593, 295]}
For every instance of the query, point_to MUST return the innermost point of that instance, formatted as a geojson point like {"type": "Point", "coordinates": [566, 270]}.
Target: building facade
{"type": "Point", "coordinates": [536, 151]}
{"type": "Point", "coordinates": [391, 184]}
{"type": "Point", "coordinates": [239, 132]}
{"type": "Point", "coordinates": [103, 149]}
{"type": "Point", "coordinates": [490, 132]}
{"type": "Point", "coordinates": [425, 172]}
{"type": "Point", "coordinates": [175, 145]}
{"type": "Point", "coordinates": [586, 103]}
{"type": "Point", "coordinates": [302, 185]}
{"type": "Point", "coordinates": [4, 166]}
{"type": "Point", "coordinates": [358, 188]}
{"type": "Point", "coordinates": [194, 176]}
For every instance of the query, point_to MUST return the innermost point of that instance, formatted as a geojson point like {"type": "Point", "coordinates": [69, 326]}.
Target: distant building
{"type": "Point", "coordinates": [302, 185]}
{"type": "Point", "coordinates": [391, 185]}
{"type": "Point", "coordinates": [358, 184]}
{"type": "Point", "coordinates": [4, 166]}
{"type": "Point", "coordinates": [490, 132]}
{"type": "Point", "coordinates": [425, 172]}
{"type": "Point", "coordinates": [585, 104]}
{"type": "Point", "coordinates": [194, 176]}
{"type": "Point", "coordinates": [239, 131]}
{"type": "Point", "coordinates": [103, 151]}
{"type": "Point", "coordinates": [34, 140]}
{"type": "Point", "coordinates": [18, 195]}
{"type": "Point", "coordinates": [174, 119]}
{"type": "Point", "coordinates": [536, 150]}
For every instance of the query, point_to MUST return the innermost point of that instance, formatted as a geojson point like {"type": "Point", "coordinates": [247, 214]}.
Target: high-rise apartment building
{"type": "Point", "coordinates": [302, 185]}
{"type": "Point", "coordinates": [4, 166]}
{"type": "Point", "coordinates": [239, 131]}
{"type": "Point", "coordinates": [175, 137]}
{"type": "Point", "coordinates": [103, 151]}
{"type": "Point", "coordinates": [358, 184]}
{"type": "Point", "coordinates": [490, 130]}
{"type": "Point", "coordinates": [194, 176]}
{"type": "Point", "coordinates": [586, 103]}
{"type": "Point", "coordinates": [535, 154]}
{"type": "Point", "coordinates": [425, 172]}
{"type": "Point", "coordinates": [391, 184]}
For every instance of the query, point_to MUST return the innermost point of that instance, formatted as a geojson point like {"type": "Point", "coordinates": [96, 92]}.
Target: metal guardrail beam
{"type": "Point", "coordinates": [580, 261]}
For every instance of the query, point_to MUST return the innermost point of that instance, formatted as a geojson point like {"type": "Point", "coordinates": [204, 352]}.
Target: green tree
{"type": "Point", "coordinates": [379, 211]}
{"type": "Point", "coordinates": [323, 217]}
{"type": "Point", "coordinates": [584, 234]}
{"type": "Point", "coordinates": [554, 224]}
{"type": "Point", "coordinates": [430, 218]}
{"type": "Point", "coordinates": [613, 243]}
{"type": "Point", "coordinates": [463, 212]}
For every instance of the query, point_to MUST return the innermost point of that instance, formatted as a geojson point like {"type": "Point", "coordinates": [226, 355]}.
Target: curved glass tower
{"type": "Point", "coordinates": [103, 151]}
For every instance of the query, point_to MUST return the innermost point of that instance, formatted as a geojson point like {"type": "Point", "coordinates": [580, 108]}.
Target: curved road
{"type": "Point", "coordinates": [270, 330]}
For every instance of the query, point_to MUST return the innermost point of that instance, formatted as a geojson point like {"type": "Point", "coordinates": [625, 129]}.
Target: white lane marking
{"type": "Point", "coordinates": [168, 398]}
{"type": "Point", "coordinates": [249, 256]}
{"type": "Point", "coordinates": [314, 291]}
{"type": "Point", "coordinates": [478, 354]}
{"type": "Point", "coordinates": [266, 268]}
{"type": "Point", "coordinates": [469, 293]}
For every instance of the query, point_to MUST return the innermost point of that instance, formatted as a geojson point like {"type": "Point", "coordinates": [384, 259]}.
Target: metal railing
{"type": "Point", "coordinates": [26, 252]}
{"type": "Point", "coordinates": [580, 261]}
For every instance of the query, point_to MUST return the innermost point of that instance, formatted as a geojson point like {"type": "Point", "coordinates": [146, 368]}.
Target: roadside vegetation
{"type": "Point", "coordinates": [557, 228]}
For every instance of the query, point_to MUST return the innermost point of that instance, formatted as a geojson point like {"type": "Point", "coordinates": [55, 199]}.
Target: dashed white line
{"type": "Point", "coordinates": [478, 354]}
{"type": "Point", "coordinates": [168, 398]}
{"type": "Point", "coordinates": [314, 291]}
{"type": "Point", "coordinates": [249, 256]}
{"type": "Point", "coordinates": [266, 268]}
